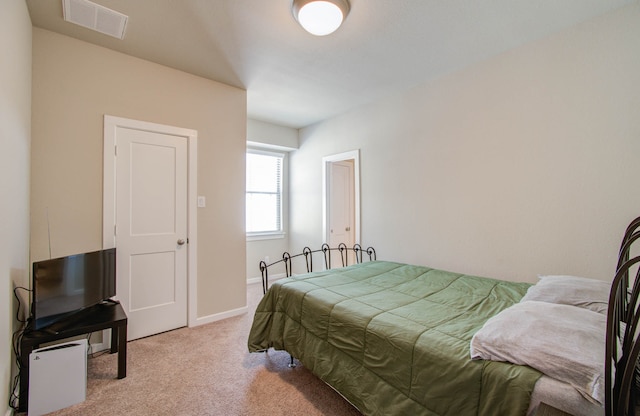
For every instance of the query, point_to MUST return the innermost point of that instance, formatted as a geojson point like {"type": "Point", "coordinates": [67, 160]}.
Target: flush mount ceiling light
{"type": "Point", "coordinates": [320, 17]}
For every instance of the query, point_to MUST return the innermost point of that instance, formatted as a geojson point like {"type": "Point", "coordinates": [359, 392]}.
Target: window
{"type": "Point", "coordinates": [264, 193]}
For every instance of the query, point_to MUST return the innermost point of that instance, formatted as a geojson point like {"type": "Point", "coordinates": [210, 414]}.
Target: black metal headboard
{"type": "Point", "coordinates": [623, 334]}
{"type": "Point", "coordinates": [307, 253]}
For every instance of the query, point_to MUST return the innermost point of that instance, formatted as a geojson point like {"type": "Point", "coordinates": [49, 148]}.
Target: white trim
{"type": "Point", "coordinates": [258, 145]}
{"type": "Point", "coordinates": [254, 280]}
{"type": "Point", "coordinates": [264, 236]}
{"type": "Point", "coordinates": [219, 316]}
{"type": "Point", "coordinates": [351, 155]}
{"type": "Point", "coordinates": [258, 151]}
{"type": "Point", "coordinates": [111, 124]}
{"type": "Point", "coordinates": [104, 345]}
{"type": "Point", "coordinates": [192, 229]}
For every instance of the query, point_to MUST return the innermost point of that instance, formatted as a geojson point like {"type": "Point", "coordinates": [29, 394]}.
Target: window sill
{"type": "Point", "coordinates": [265, 236]}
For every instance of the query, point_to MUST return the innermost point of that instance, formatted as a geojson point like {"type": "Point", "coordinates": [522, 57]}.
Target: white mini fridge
{"type": "Point", "coordinates": [57, 377]}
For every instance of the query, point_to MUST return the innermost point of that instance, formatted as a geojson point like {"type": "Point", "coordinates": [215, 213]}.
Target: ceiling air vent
{"type": "Point", "coordinates": [94, 16]}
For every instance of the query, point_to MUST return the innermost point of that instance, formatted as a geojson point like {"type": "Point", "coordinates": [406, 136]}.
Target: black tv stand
{"type": "Point", "coordinates": [108, 315]}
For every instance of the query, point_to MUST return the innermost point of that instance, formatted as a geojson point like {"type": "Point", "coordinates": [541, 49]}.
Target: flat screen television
{"type": "Point", "coordinates": [67, 285]}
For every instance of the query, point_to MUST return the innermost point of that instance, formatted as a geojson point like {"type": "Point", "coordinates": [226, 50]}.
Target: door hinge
{"type": "Point", "coordinates": [115, 150]}
{"type": "Point", "coordinates": [115, 230]}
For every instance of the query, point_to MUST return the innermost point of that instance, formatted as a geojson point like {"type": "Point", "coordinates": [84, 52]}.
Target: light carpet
{"type": "Point", "coordinates": [206, 370]}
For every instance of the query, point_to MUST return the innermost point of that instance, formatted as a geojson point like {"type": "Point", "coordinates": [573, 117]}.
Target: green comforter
{"type": "Point", "coordinates": [393, 339]}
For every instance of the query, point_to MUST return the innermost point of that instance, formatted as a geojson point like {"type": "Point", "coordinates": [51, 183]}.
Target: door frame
{"type": "Point", "coordinates": [111, 124]}
{"type": "Point", "coordinates": [350, 155]}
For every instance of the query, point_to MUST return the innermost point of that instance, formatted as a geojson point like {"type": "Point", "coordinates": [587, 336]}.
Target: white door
{"type": "Point", "coordinates": [151, 230]}
{"type": "Point", "coordinates": [341, 207]}
{"type": "Point", "coordinates": [340, 203]}
{"type": "Point", "coordinates": [344, 204]}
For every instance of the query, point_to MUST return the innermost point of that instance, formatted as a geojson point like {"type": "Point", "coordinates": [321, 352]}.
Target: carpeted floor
{"type": "Point", "coordinates": [206, 370]}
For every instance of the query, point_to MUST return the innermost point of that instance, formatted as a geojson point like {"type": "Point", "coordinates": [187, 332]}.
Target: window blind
{"type": "Point", "coordinates": [264, 192]}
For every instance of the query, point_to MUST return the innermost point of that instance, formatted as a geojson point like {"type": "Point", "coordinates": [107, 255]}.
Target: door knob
{"type": "Point", "coordinates": [180, 242]}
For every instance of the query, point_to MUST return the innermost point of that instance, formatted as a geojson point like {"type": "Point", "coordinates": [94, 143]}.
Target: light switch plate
{"type": "Point", "coordinates": [201, 202]}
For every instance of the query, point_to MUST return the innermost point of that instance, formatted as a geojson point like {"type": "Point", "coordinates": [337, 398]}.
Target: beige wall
{"type": "Point", "coordinates": [522, 165]}
{"type": "Point", "coordinates": [15, 136]}
{"type": "Point", "coordinates": [74, 85]}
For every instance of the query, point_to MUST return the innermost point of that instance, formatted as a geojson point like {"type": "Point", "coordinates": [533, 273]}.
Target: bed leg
{"type": "Point", "coordinates": [292, 364]}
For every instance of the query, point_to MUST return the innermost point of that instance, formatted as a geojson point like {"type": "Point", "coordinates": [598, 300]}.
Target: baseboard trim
{"type": "Point", "coordinates": [104, 345]}
{"type": "Point", "coordinates": [220, 316]}
{"type": "Point", "coordinates": [234, 312]}
{"type": "Point", "coordinates": [254, 280]}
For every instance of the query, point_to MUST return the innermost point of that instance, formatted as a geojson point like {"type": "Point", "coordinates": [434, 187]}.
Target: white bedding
{"type": "Point", "coordinates": [563, 342]}
{"type": "Point", "coordinates": [577, 291]}
{"type": "Point", "coordinates": [563, 397]}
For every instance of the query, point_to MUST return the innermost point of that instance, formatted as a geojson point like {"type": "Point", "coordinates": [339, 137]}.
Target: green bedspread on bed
{"type": "Point", "coordinates": [393, 339]}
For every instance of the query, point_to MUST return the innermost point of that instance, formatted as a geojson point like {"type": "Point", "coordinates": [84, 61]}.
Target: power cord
{"type": "Point", "coordinates": [16, 341]}
{"type": "Point", "coordinates": [15, 293]}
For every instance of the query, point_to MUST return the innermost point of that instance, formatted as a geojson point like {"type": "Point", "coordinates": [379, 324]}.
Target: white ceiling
{"type": "Point", "coordinates": [295, 79]}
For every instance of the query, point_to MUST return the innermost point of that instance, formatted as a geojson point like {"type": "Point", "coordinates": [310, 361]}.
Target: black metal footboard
{"type": "Point", "coordinates": [307, 253]}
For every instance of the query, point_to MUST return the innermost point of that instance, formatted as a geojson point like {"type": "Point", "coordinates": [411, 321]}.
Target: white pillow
{"type": "Point", "coordinates": [571, 290]}
{"type": "Point", "coordinates": [561, 341]}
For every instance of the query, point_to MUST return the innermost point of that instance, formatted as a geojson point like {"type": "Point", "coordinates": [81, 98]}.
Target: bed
{"type": "Point", "coordinates": [396, 339]}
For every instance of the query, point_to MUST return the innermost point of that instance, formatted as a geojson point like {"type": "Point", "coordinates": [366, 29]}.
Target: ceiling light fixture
{"type": "Point", "coordinates": [320, 17]}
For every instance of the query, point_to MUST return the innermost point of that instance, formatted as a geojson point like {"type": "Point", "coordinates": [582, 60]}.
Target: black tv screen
{"type": "Point", "coordinates": [69, 284]}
